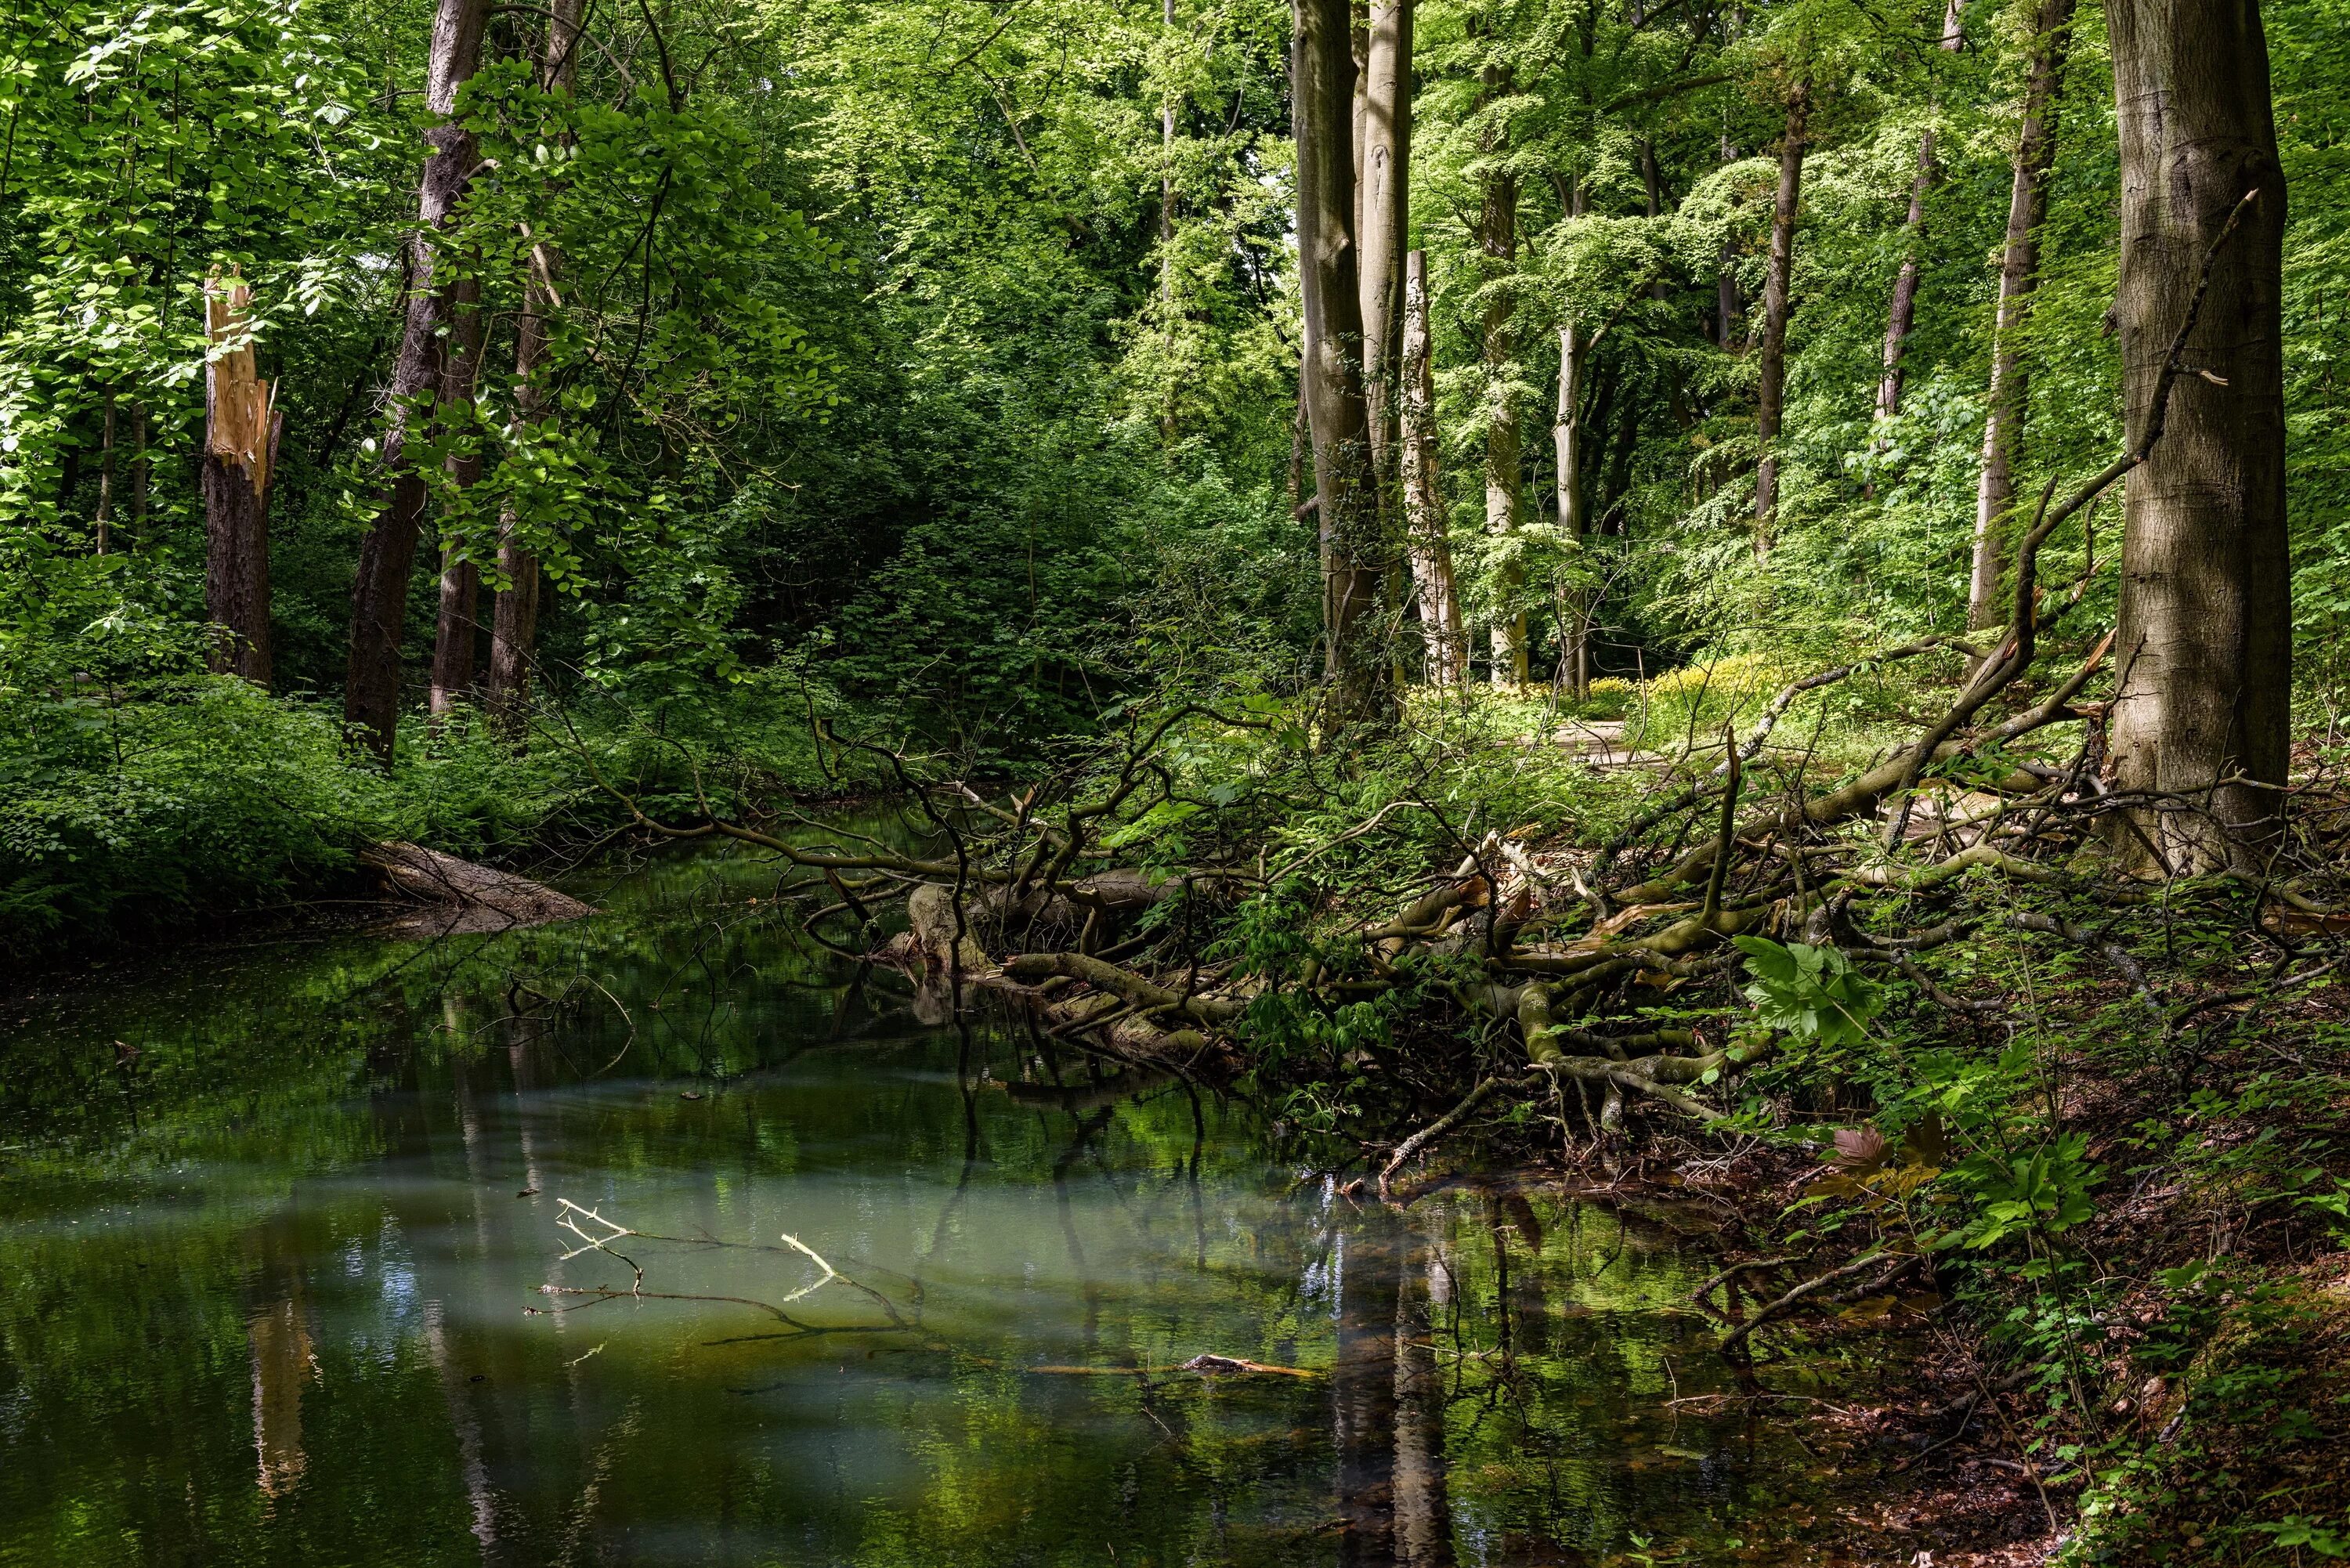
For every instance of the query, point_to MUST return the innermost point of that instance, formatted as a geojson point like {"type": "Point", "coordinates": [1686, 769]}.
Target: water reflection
{"type": "Point", "coordinates": [333, 1299]}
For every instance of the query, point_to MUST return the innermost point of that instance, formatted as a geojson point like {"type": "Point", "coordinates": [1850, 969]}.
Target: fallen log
{"type": "Point", "coordinates": [467, 896]}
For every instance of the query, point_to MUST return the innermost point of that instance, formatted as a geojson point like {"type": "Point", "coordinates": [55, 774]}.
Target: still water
{"type": "Point", "coordinates": [656, 1239]}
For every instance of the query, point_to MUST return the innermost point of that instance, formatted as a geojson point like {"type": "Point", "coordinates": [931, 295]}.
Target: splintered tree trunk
{"type": "Point", "coordinates": [1329, 280]}
{"type": "Point", "coordinates": [513, 633]}
{"type": "Point", "coordinates": [1776, 284]}
{"type": "Point", "coordinates": [1384, 200]}
{"type": "Point", "coordinates": [1431, 549]}
{"type": "Point", "coordinates": [1903, 313]}
{"type": "Point", "coordinates": [242, 427]}
{"type": "Point", "coordinates": [457, 634]}
{"type": "Point", "coordinates": [388, 552]}
{"type": "Point", "coordinates": [1497, 234]}
{"type": "Point", "coordinates": [2204, 654]}
{"type": "Point", "coordinates": [2019, 275]}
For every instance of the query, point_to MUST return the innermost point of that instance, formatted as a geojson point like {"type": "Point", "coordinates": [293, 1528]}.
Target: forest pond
{"type": "Point", "coordinates": [314, 1253]}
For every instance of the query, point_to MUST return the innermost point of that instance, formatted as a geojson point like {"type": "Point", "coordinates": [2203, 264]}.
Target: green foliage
{"type": "Point", "coordinates": [1813, 992]}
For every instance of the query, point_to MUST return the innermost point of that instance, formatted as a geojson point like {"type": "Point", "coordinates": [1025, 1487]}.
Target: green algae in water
{"type": "Point", "coordinates": [298, 1272]}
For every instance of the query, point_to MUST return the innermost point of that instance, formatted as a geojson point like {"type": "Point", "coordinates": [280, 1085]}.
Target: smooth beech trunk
{"type": "Point", "coordinates": [1322, 91]}
{"type": "Point", "coordinates": [242, 430]}
{"type": "Point", "coordinates": [1497, 235]}
{"type": "Point", "coordinates": [388, 552]}
{"type": "Point", "coordinates": [1903, 313]}
{"type": "Point", "coordinates": [1566, 453]}
{"type": "Point", "coordinates": [514, 630]}
{"type": "Point", "coordinates": [457, 630]}
{"type": "Point", "coordinates": [1384, 203]}
{"type": "Point", "coordinates": [2019, 278]}
{"type": "Point", "coordinates": [1776, 281]}
{"type": "Point", "coordinates": [2204, 654]}
{"type": "Point", "coordinates": [1427, 536]}
{"type": "Point", "coordinates": [1567, 442]}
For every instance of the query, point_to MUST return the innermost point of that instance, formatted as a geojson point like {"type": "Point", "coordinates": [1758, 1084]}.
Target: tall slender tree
{"type": "Point", "coordinates": [1777, 285]}
{"type": "Point", "coordinates": [388, 552]}
{"type": "Point", "coordinates": [457, 630]}
{"type": "Point", "coordinates": [514, 632]}
{"type": "Point", "coordinates": [1902, 314]}
{"type": "Point", "coordinates": [1384, 204]}
{"type": "Point", "coordinates": [1497, 239]}
{"type": "Point", "coordinates": [2201, 712]}
{"type": "Point", "coordinates": [1428, 538]}
{"type": "Point", "coordinates": [2019, 279]}
{"type": "Point", "coordinates": [1329, 277]}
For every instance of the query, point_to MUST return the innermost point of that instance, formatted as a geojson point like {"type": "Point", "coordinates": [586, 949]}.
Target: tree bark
{"type": "Point", "coordinates": [1567, 452]}
{"type": "Point", "coordinates": [1431, 550]}
{"type": "Point", "coordinates": [1497, 234]}
{"type": "Point", "coordinates": [457, 636]}
{"type": "Point", "coordinates": [1728, 306]}
{"type": "Point", "coordinates": [1323, 69]}
{"type": "Point", "coordinates": [514, 632]}
{"type": "Point", "coordinates": [1771, 407]}
{"type": "Point", "coordinates": [2019, 277]}
{"type": "Point", "coordinates": [1385, 203]}
{"type": "Point", "coordinates": [388, 552]}
{"type": "Point", "coordinates": [242, 428]}
{"type": "Point", "coordinates": [2204, 653]}
{"type": "Point", "coordinates": [1903, 312]}
{"type": "Point", "coordinates": [1166, 182]}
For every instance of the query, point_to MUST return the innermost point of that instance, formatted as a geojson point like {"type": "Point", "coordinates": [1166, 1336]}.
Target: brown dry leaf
{"type": "Point", "coordinates": [1859, 1149]}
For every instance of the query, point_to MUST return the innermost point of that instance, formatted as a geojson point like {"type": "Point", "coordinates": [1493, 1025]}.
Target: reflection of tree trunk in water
{"type": "Point", "coordinates": [277, 1332]}
{"type": "Point", "coordinates": [1423, 1503]}
{"type": "Point", "coordinates": [1529, 1301]}
{"type": "Point", "coordinates": [1363, 1389]}
{"type": "Point", "coordinates": [1091, 1288]}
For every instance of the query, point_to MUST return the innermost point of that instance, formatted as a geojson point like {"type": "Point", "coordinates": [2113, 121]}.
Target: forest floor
{"type": "Point", "coordinates": [2125, 1334]}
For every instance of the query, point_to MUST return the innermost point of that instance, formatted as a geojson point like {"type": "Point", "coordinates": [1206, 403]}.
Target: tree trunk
{"type": "Point", "coordinates": [1727, 304]}
{"type": "Point", "coordinates": [241, 428]}
{"type": "Point", "coordinates": [1328, 276]}
{"type": "Point", "coordinates": [1166, 184]}
{"type": "Point", "coordinates": [1497, 233]}
{"type": "Point", "coordinates": [2019, 275]}
{"type": "Point", "coordinates": [1431, 550]}
{"type": "Point", "coordinates": [1385, 204]}
{"type": "Point", "coordinates": [2204, 653]}
{"type": "Point", "coordinates": [105, 474]}
{"type": "Point", "coordinates": [1566, 439]}
{"type": "Point", "coordinates": [1903, 313]}
{"type": "Point", "coordinates": [513, 632]}
{"type": "Point", "coordinates": [457, 638]}
{"type": "Point", "coordinates": [1775, 282]}
{"type": "Point", "coordinates": [1566, 453]}
{"type": "Point", "coordinates": [388, 553]}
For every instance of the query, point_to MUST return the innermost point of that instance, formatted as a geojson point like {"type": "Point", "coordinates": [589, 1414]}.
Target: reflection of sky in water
{"type": "Point", "coordinates": [296, 1316]}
